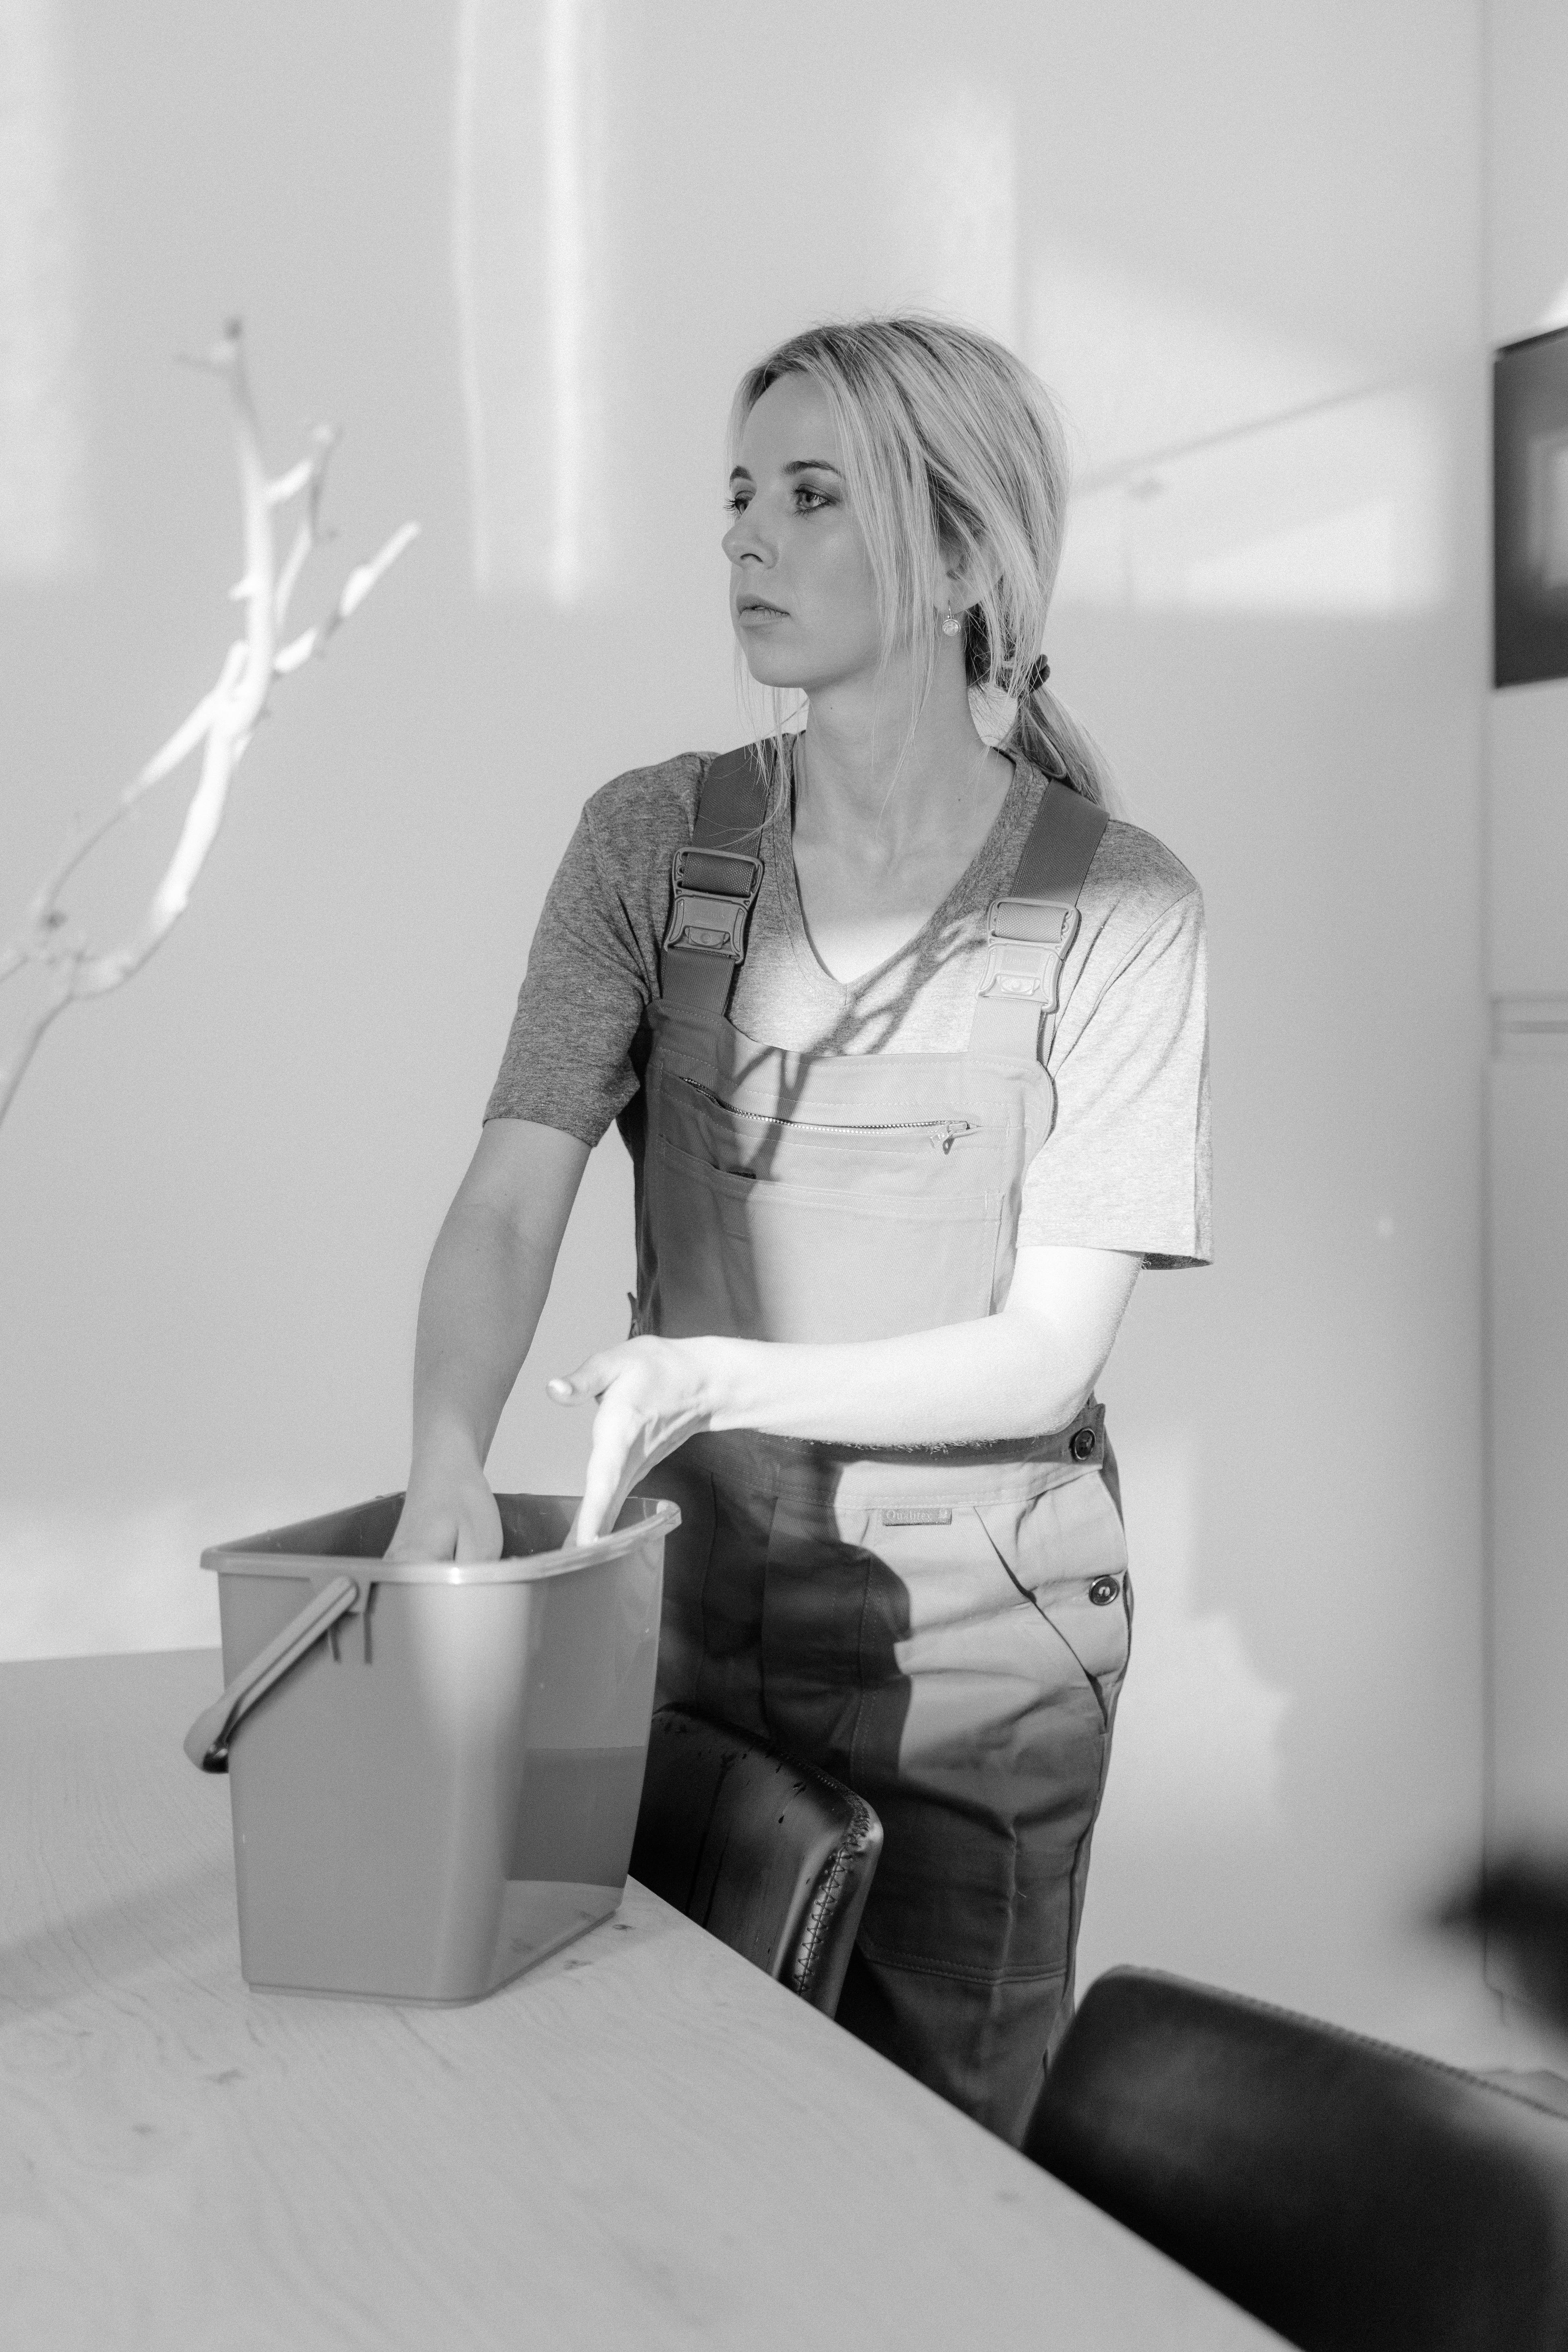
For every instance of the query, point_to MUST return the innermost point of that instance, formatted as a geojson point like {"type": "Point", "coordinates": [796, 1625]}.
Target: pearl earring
{"type": "Point", "coordinates": [950, 623]}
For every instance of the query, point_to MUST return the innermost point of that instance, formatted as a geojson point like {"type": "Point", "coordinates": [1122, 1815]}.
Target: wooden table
{"type": "Point", "coordinates": [643, 2143]}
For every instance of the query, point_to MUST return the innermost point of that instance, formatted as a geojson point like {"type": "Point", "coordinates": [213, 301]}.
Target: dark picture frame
{"type": "Point", "coordinates": [1529, 510]}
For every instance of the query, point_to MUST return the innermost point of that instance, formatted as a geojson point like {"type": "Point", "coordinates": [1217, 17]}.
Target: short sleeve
{"type": "Point", "coordinates": [568, 1058]}
{"type": "Point", "coordinates": [1126, 1166]}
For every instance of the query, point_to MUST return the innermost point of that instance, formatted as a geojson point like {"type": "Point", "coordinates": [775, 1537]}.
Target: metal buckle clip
{"type": "Point", "coordinates": [709, 909]}
{"type": "Point", "coordinates": [1027, 944]}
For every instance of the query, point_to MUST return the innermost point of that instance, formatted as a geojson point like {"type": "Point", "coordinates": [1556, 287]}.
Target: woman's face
{"type": "Point", "coordinates": [802, 596]}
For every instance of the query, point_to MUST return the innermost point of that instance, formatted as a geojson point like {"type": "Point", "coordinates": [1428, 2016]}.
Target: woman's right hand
{"type": "Point", "coordinates": [449, 1513]}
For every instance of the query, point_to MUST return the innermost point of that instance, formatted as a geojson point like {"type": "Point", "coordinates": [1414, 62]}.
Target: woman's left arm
{"type": "Point", "coordinates": [1020, 1373]}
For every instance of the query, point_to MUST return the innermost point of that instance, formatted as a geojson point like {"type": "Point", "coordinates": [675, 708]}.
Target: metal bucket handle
{"type": "Point", "coordinates": [207, 1742]}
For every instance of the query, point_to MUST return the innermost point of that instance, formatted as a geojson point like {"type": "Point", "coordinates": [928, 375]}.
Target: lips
{"type": "Point", "coordinates": [760, 604]}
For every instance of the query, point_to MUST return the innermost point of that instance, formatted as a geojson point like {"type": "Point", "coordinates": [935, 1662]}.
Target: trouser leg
{"type": "Point", "coordinates": [978, 2039]}
{"type": "Point", "coordinates": [981, 2046]}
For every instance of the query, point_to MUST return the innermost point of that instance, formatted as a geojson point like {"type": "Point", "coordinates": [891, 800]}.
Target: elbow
{"type": "Point", "coordinates": [1060, 1388]}
{"type": "Point", "coordinates": [1065, 1407]}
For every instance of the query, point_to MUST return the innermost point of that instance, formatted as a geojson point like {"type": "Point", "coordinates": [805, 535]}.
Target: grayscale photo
{"type": "Point", "coordinates": [783, 1176]}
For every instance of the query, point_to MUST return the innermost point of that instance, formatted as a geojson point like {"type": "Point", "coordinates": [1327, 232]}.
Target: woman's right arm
{"type": "Point", "coordinates": [487, 1282]}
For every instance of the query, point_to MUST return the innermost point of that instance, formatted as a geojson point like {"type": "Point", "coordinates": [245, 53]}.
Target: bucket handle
{"type": "Point", "coordinates": [207, 1742]}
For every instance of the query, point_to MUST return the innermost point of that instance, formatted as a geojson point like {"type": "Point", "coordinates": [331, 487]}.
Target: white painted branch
{"type": "Point", "coordinates": [181, 742]}
{"type": "Point", "coordinates": [364, 577]}
{"type": "Point", "coordinates": [356, 588]}
{"type": "Point", "coordinates": [311, 476]}
{"type": "Point", "coordinates": [221, 726]}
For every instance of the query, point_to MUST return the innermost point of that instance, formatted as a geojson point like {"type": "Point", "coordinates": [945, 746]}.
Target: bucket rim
{"type": "Point", "coordinates": [252, 1555]}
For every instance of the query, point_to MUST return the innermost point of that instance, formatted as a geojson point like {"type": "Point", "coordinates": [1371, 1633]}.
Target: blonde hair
{"type": "Point", "coordinates": [954, 456]}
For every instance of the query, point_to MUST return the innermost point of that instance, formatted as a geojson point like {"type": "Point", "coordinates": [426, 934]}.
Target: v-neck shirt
{"type": "Point", "coordinates": [780, 832]}
{"type": "Point", "coordinates": [1127, 1163]}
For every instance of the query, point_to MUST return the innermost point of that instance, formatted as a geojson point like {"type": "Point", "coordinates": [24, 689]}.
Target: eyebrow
{"type": "Point", "coordinates": [796, 466]}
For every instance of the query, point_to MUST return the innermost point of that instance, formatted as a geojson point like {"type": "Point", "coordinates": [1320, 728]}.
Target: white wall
{"type": "Point", "coordinates": [1280, 627]}
{"type": "Point", "coordinates": [527, 249]}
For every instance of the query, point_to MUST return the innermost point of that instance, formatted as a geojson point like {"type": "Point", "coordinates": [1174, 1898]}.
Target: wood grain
{"type": "Point", "coordinates": [642, 2143]}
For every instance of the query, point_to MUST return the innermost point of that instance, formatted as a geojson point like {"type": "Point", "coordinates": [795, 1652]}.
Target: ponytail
{"type": "Point", "coordinates": [1043, 729]}
{"type": "Point", "coordinates": [1049, 737]}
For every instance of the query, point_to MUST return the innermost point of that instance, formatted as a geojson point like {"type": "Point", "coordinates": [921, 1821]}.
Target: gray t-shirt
{"type": "Point", "coordinates": [1126, 1166]}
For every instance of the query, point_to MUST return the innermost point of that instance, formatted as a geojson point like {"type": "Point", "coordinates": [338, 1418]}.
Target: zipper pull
{"type": "Point", "coordinates": [958, 1127]}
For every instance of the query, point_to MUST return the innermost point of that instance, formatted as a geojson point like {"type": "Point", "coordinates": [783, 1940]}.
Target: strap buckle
{"type": "Point", "coordinates": [1025, 946]}
{"type": "Point", "coordinates": [714, 893]}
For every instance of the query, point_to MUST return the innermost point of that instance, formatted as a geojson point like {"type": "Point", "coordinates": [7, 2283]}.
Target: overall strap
{"type": "Point", "coordinates": [1031, 930]}
{"type": "Point", "coordinates": [714, 884]}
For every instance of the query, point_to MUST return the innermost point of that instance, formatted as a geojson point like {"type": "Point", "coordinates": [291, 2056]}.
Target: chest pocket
{"type": "Point", "coordinates": [829, 1220]}
{"type": "Point", "coordinates": [948, 1154]}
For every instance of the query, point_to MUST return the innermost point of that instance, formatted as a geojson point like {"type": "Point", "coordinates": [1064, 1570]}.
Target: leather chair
{"type": "Point", "coordinates": [1354, 2197]}
{"type": "Point", "coordinates": [773, 1858]}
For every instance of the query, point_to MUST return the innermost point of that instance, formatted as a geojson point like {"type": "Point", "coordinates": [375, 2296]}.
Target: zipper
{"type": "Point", "coordinates": [941, 1132]}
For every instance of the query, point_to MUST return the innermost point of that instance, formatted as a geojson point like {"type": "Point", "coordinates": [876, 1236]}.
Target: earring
{"type": "Point", "coordinates": [950, 623]}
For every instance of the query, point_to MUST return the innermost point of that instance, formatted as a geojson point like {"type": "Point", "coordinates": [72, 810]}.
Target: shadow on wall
{"type": "Point", "coordinates": [1340, 507]}
{"type": "Point", "coordinates": [1199, 1740]}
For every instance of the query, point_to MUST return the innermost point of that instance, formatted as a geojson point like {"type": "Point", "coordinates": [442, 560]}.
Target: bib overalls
{"type": "Point", "coordinates": [945, 1629]}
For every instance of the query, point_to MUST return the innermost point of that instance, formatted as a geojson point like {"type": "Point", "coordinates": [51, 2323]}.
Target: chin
{"type": "Point", "coordinates": [781, 675]}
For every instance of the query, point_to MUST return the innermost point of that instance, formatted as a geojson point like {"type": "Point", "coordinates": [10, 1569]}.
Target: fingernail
{"type": "Point", "coordinates": [562, 1389]}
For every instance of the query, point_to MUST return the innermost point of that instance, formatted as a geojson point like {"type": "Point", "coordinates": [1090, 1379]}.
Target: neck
{"type": "Point", "coordinates": [866, 767]}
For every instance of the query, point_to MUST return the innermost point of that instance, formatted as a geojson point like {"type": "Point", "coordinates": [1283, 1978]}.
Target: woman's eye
{"type": "Point", "coordinates": [806, 501]}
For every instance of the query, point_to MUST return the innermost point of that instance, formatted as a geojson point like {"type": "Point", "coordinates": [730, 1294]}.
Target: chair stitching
{"type": "Point", "coordinates": [825, 1903]}
{"type": "Point", "coordinates": [809, 1951]}
{"type": "Point", "coordinates": [850, 1849]}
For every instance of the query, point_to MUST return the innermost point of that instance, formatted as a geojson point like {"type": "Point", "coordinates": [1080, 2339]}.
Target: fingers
{"type": "Point", "coordinates": [447, 1516]}
{"type": "Point", "coordinates": [616, 1459]}
{"type": "Point", "coordinates": [644, 1413]}
{"type": "Point", "coordinates": [603, 1496]}
{"type": "Point", "coordinates": [606, 1484]}
{"type": "Point", "coordinates": [590, 1378]}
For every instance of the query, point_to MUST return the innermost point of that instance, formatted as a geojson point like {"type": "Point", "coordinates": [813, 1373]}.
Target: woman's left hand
{"type": "Point", "coordinates": [652, 1395]}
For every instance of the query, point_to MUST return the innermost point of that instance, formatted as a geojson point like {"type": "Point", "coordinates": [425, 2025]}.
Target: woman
{"type": "Point", "coordinates": [907, 1042]}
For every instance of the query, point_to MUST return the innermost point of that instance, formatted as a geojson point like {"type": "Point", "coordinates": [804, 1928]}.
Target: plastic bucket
{"type": "Point", "coordinates": [435, 1770]}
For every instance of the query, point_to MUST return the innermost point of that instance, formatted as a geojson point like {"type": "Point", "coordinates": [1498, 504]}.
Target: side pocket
{"type": "Point", "coordinates": [1065, 1551]}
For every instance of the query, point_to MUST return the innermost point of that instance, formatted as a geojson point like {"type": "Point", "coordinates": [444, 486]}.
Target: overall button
{"type": "Point", "coordinates": [1103, 1591]}
{"type": "Point", "coordinates": [1081, 1446]}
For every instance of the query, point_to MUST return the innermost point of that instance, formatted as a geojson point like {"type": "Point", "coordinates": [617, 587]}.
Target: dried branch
{"type": "Point", "coordinates": [220, 726]}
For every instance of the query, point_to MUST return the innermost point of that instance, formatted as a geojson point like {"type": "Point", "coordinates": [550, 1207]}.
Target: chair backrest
{"type": "Point", "coordinates": [773, 1858]}
{"type": "Point", "coordinates": [1354, 2197]}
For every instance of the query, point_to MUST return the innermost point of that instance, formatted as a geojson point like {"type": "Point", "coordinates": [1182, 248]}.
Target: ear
{"type": "Point", "coordinates": [965, 577]}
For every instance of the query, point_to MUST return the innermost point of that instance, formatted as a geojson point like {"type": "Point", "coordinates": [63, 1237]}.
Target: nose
{"type": "Point", "coordinates": [745, 541]}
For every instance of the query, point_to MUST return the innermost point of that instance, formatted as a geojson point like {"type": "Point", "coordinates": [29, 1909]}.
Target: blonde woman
{"type": "Point", "coordinates": [907, 1042]}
